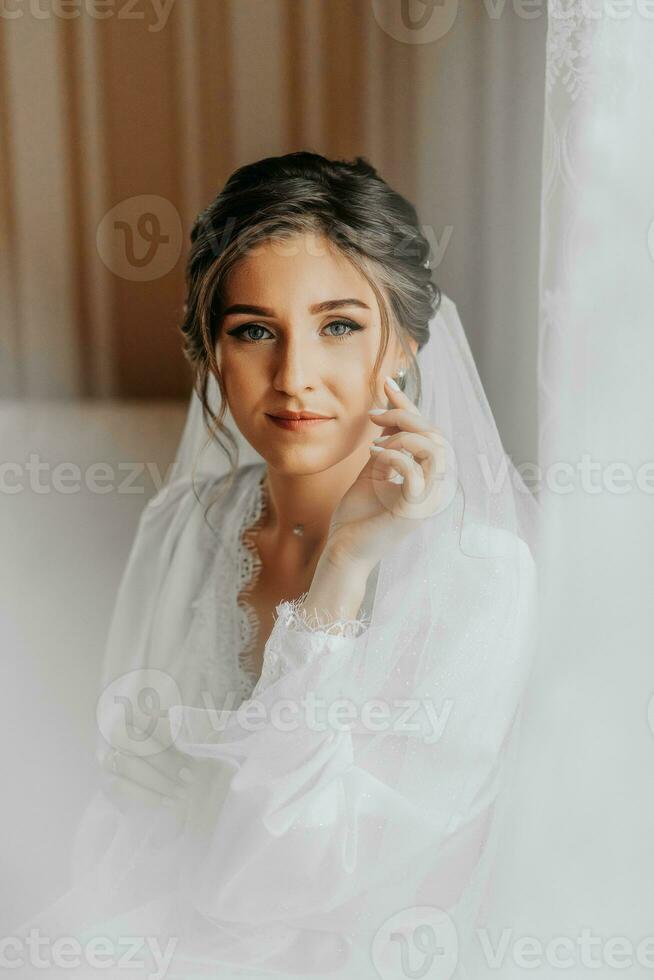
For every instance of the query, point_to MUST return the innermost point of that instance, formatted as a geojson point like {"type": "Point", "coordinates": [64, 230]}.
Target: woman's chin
{"type": "Point", "coordinates": [299, 461]}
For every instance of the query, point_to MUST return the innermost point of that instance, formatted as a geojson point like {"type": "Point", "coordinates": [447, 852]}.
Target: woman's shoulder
{"type": "Point", "coordinates": [485, 556]}
{"type": "Point", "coordinates": [486, 540]}
{"type": "Point", "coordinates": [498, 563]}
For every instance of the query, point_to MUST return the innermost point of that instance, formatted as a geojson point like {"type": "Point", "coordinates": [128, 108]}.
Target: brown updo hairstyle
{"type": "Point", "coordinates": [278, 197]}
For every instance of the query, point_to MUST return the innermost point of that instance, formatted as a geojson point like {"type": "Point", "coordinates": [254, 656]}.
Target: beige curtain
{"type": "Point", "coordinates": [119, 122]}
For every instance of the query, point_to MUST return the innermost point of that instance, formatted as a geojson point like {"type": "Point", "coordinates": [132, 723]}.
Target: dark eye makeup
{"type": "Point", "coordinates": [241, 330]}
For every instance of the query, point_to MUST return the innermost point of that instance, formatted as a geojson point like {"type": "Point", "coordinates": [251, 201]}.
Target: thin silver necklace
{"type": "Point", "coordinates": [298, 529]}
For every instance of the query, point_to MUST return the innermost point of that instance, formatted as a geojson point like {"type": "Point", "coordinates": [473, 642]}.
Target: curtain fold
{"type": "Point", "coordinates": [576, 876]}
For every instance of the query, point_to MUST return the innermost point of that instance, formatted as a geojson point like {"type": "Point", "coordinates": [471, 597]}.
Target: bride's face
{"type": "Point", "coordinates": [300, 333]}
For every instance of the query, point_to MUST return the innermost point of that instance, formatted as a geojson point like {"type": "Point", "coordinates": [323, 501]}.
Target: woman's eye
{"type": "Point", "coordinates": [252, 332]}
{"type": "Point", "coordinates": [350, 328]}
{"type": "Point", "coordinates": [242, 332]}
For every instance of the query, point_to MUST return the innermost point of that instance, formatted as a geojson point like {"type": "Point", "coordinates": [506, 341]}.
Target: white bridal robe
{"type": "Point", "coordinates": [296, 846]}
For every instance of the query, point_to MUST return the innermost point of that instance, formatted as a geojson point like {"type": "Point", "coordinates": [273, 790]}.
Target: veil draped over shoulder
{"type": "Point", "coordinates": [345, 850]}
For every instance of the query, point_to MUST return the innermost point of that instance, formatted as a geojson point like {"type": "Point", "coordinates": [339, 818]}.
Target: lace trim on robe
{"type": "Point", "coordinates": [248, 569]}
{"type": "Point", "coordinates": [216, 667]}
{"type": "Point", "coordinates": [225, 666]}
{"type": "Point", "coordinates": [297, 618]}
{"type": "Point", "coordinates": [308, 635]}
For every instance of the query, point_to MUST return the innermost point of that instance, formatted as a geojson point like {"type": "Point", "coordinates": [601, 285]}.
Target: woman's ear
{"type": "Point", "coordinates": [403, 361]}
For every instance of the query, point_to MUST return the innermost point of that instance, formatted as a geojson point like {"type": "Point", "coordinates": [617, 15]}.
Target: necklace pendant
{"type": "Point", "coordinates": [298, 529]}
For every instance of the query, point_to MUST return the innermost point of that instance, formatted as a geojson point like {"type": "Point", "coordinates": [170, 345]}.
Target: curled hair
{"type": "Point", "coordinates": [276, 198]}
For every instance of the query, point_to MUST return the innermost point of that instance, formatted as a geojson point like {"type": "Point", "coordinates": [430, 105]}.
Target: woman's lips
{"type": "Point", "coordinates": [297, 425]}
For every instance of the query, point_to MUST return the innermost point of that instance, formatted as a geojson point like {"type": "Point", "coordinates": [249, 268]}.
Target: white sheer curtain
{"type": "Point", "coordinates": [576, 876]}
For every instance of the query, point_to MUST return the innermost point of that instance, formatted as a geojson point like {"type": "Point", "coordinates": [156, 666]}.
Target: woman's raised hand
{"type": "Point", "coordinates": [376, 513]}
{"type": "Point", "coordinates": [161, 777]}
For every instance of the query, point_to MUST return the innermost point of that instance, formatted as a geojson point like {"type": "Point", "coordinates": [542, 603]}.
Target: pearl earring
{"type": "Point", "coordinates": [400, 377]}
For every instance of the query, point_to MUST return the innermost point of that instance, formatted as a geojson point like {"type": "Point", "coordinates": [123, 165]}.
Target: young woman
{"type": "Point", "coordinates": [315, 666]}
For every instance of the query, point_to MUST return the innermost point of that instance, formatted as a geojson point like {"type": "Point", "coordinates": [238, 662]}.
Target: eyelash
{"type": "Point", "coordinates": [240, 331]}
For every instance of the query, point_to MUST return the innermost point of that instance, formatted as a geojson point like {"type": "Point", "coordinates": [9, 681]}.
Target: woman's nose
{"type": "Point", "coordinates": [294, 369]}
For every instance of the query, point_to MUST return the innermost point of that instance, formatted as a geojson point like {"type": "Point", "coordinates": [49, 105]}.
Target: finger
{"type": "Point", "coordinates": [139, 771]}
{"type": "Point", "coordinates": [150, 742]}
{"type": "Point", "coordinates": [426, 450]}
{"type": "Point", "coordinates": [122, 790]}
{"type": "Point", "coordinates": [420, 445]}
{"type": "Point", "coordinates": [395, 459]}
{"type": "Point", "coordinates": [172, 764]}
{"type": "Point", "coordinates": [397, 397]}
{"type": "Point", "coordinates": [400, 418]}
{"type": "Point", "coordinates": [168, 762]}
{"type": "Point", "coordinates": [379, 467]}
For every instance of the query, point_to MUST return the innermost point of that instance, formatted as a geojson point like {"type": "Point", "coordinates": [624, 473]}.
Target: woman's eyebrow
{"type": "Point", "coordinates": [333, 304]}
{"type": "Point", "coordinates": [328, 304]}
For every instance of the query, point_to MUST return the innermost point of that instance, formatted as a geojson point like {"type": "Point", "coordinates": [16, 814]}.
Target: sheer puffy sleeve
{"type": "Point", "coordinates": [361, 775]}
{"type": "Point", "coordinates": [146, 648]}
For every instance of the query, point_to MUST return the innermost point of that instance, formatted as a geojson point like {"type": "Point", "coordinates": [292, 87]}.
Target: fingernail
{"type": "Point", "coordinates": [376, 449]}
{"type": "Point", "coordinates": [392, 383]}
{"type": "Point", "coordinates": [186, 774]}
{"type": "Point", "coordinates": [381, 438]}
{"type": "Point", "coordinates": [377, 411]}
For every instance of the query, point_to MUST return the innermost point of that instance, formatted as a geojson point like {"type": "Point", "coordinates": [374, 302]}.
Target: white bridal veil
{"type": "Point", "coordinates": [356, 851]}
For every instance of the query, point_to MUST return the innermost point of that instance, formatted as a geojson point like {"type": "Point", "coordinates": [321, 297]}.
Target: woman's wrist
{"type": "Point", "coordinates": [337, 589]}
